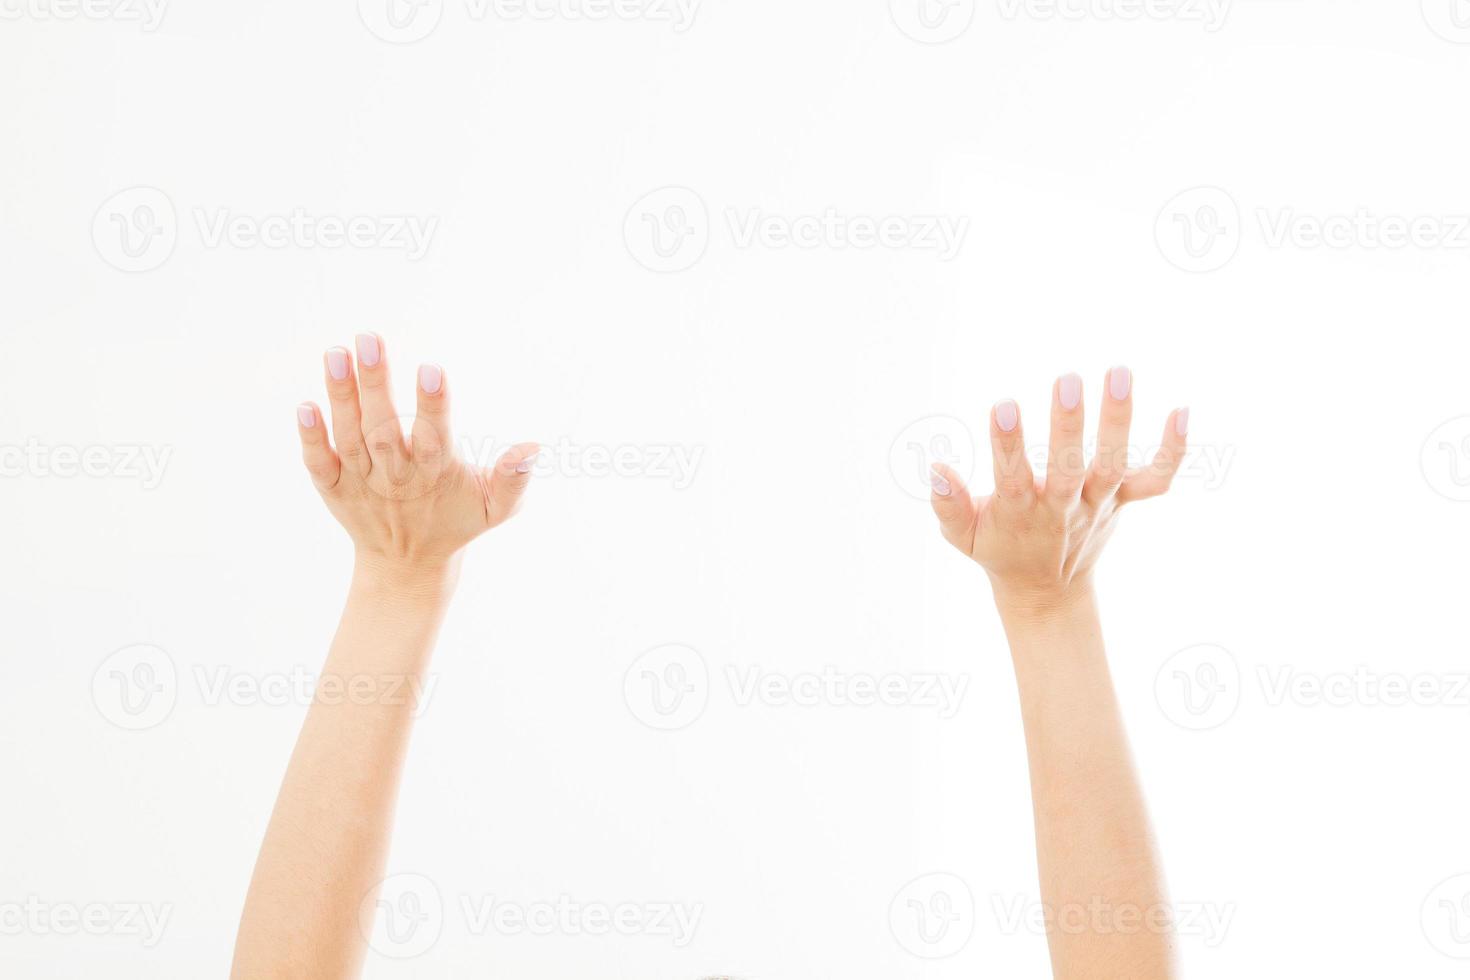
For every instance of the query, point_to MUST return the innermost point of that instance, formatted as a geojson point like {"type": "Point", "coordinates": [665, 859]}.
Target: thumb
{"type": "Point", "coordinates": [953, 505]}
{"type": "Point", "coordinates": [507, 481]}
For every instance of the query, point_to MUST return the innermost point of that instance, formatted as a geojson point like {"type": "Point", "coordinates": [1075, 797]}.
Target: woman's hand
{"type": "Point", "coordinates": [1039, 540]}
{"type": "Point", "coordinates": [408, 505]}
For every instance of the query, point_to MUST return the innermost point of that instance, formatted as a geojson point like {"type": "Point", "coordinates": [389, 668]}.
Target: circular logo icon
{"type": "Point", "coordinates": [1199, 230]}
{"type": "Point", "coordinates": [933, 916]}
{"type": "Point", "coordinates": [403, 917]}
{"type": "Point", "coordinates": [1445, 459]}
{"type": "Point", "coordinates": [136, 687]}
{"type": "Point", "coordinates": [668, 687]}
{"type": "Point", "coordinates": [1450, 19]}
{"type": "Point", "coordinates": [135, 230]}
{"type": "Point", "coordinates": [932, 21]}
{"type": "Point", "coordinates": [1198, 688]}
{"type": "Point", "coordinates": [1445, 917]}
{"type": "Point", "coordinates": [931, 439]}
{"type": "Point", "coordinates": [400, 21]}
{"type": "Point", "coordinates": [667, 230]}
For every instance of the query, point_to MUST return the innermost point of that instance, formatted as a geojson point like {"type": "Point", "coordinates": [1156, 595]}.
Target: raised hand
{"type": "Point", "coordinates": [410, 500]}
{"type": "Point", "coordinates": [1039, 539]}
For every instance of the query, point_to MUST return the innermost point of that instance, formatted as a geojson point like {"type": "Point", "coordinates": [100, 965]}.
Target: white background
{"type": "Point", "coordinates": [1319, 532]}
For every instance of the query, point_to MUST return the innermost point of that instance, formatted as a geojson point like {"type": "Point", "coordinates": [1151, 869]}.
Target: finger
{"type": "Point", "coordinates": [506, 482]}
{"type": "Point", "coordinates": [954, 506]}
{"type": "Point", "coordinates": [1154, 479]}
{"type": "Point", "coordinates": [1014, 481]}
{"type": "Point", "coordinates": [380, 428]}
{"type": "Point", "coordinates": [1111, 462]}
{"type": "Point", "coordinates": [316, 452]}
{"type": "Point", "coordinates": [432, 437]}
{"type": "Point", "coordinates": [346, 413]}
{"type": "Point", "coordinates": [1065, 463]}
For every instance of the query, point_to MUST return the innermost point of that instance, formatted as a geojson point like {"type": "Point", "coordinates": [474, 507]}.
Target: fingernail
{"type": "Point", "coordinates": [524, 466]}
{"type": "Point", "coordinates": [939, 483]}
{"type": "Point", "coordinates": [431, 376]}
{"type": "Point", "coordinates": [337, 363]}
{"type": "Point", "coordinates": [1007, 415]}
{"type": "Point", "coordinates": [1120, 382]}
{"type": "Point", "coordinates": [1069, 391]}
{"type": "Point", "coordinates": [306, 415]}
{"type": "Point", "coordinates": [1181, 422]}
{"type": "Point", "coordinates": [368, 350]}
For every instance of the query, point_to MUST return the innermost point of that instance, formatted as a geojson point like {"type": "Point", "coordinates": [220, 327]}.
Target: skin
{"type": "Point", "coordinates": [1039, 540]}
{"type": "Point", "coordinates": [410, 506]}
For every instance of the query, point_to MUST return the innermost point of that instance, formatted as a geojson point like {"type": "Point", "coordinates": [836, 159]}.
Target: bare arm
{"type": "Point", "coordinates": [1101, 881]}
{"type": "Point", "coordinates": [410, 508]}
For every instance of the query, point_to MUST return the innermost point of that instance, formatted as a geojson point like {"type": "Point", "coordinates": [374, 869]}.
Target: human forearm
{"type": "Point", "coordinates": [1039, 540]}
{"type": "Point", "coordinates": [410, 506]}
{"type": "Point", "coordinates": [1099, 871]}
{"type": "Point", "coordinates": [327, 841]}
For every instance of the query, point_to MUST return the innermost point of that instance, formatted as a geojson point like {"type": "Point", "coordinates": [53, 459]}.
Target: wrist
{"type": "Point", "coordinates": [1022, 607]}
{"type": "Point", "coordinates": [420, 579]}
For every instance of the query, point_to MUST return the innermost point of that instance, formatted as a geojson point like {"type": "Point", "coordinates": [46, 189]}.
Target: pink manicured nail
{"type": "Point", "coordinates": [431, 376]}
{"type": "Point", "coordinates": [1069, 391]}
{"type": "Point", "coordinates": [939, 483]}
{"type": "Point", "coordinates": [1181, 422]}
{"type": "Point", "coordinates": [368, 351]}
{"type": "Point", "coordinates": [337, 358]}
{"type": "Point", "coordinates": [1120, 382]}
{"type": "Point", "coordinates": [306, 415]}
{"type": "Point", "coordinates": [1007, 415]}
